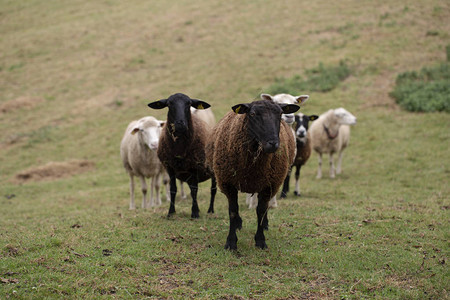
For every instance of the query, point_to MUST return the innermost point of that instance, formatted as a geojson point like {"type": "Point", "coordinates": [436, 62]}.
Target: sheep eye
{"type": "Point", "coordinates": [252, 114]}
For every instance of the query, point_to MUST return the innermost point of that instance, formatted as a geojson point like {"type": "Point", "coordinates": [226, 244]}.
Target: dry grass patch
{"type": "Point", "coordinates": [19, 103]}
{"type": "Point", "coordinates": [54, 170]}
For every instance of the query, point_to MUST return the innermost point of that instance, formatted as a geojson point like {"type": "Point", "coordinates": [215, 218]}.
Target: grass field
{"type": "Point", "coordinates": [73, 74]}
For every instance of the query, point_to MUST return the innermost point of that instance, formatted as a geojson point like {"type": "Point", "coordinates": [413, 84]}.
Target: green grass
{"type": "Point", "coordinates": [424, 91]}
{"type": "Point", "coordinates": [319, 79]}
{"type": "Point", "coordinates": [378, 231]}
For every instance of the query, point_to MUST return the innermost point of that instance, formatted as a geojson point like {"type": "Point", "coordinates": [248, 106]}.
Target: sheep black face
{"type": "Point", "coordinates": [263, 121]}
{"type": "Point", "coordinates": [179, 115]}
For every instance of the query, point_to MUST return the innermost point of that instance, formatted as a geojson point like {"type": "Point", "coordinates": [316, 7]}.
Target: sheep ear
{"type": "Point", "coordinates": [266, 97]}
{"type": "Point", "coordinates": [313, 117]}
{"type": "Point", "coordinates": [135, 130]}
{"type": "Point", "coordinates": [199, 104]}
{"type": "Point", "coordinates": [158, 104]}
{"type": "Point", "coordinates": [161, 123]}
{"type": "Point", "coordinates": [289, 108]}
{"type": "Point", "coordinates": [241, 108]}
{"type": "Point", "coordinates": [302, 99]}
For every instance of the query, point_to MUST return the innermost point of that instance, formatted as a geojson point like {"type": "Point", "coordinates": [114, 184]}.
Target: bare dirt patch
{"type": "Point", "coordinates": [54, 170]}
{"type": "Point", "coordinates": [19, 103]}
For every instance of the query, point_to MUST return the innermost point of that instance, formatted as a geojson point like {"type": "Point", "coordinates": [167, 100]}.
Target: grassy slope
{"type": "Point", "coordinates": [379, 230]}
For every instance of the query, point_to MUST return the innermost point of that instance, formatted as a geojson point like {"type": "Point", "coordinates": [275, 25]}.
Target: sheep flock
{"type": "Point", "coordinates": [251, 150]}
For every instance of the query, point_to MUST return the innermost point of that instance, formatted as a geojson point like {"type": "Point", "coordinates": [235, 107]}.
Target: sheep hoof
{"type": "Point", "coordinates": [261, 244]}
{"type": "Point", "coordinates": [283, 195]}
{"type": "Point", "coordinates": [195, 215]}
{"type": "Point", "coordinates": [210, 211]}
{"type": "Point", "coordinates": [297, 194]}
{"type": "Point", "coordinates": [230, 245]}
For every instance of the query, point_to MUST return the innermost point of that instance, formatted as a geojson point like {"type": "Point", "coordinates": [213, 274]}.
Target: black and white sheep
{"type": "Point", "coordinates": [182, 147]}
{"type": "Point", "coordinates": [303, 143]}
{"type": "Point", "coordinates": [251, 150]}
{"type": "Point", "coordinates": [331, 134]}
{"type": "Point", "coordinates": [138, 152]}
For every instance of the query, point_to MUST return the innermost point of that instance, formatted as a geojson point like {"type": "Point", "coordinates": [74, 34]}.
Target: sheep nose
{"type": "Point", "coordinates": [180, 126]}
{"type": "Point", "coordinates": [154, 145]}
{"type": "Point", "coordinates": [289, 118]}
{"type": "Point", "coordinates": [271, 146]}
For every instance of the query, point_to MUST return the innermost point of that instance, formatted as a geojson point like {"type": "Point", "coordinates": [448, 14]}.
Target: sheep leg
{"type": "Point", "coordinates": [182, 193]}
{"type": "Point", "coordinates": [297, 184]}
{"type": "Point", "coordinates": [233, 211]}
{"type": "Point", "coordinates": [156, 185]}
{"type": "Point", "coordinates": [173, 191]}
{"type": "Point", "coordinates": [193, 185]}
{"type": "Point", "coordinates": [167, 185]}
{"type": "Point", "coordinates": [213, 194]}
{"type": "Point", "coordinates": [285, 189]}
{"type": "Point", "coordinates": [151, 200]}
{"type": "Point", "coordinates": [250, 200]}
{"type": "Point", "coordinates": [319, 170]}
{"type": "Point", "coordinates": [144, 192]}
{"type": "Point", "coordinates": [339, 164]}
{"type": "Point", "coordinates": [332, 170]}
{"type": "Point", "coordinates": [263, 223]}
{"type": "Point", "coordinates": [132, 205]}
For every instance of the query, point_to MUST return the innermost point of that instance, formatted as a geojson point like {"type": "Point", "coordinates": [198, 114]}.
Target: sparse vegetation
{"type": "Point", "coordinates": [320, 79]}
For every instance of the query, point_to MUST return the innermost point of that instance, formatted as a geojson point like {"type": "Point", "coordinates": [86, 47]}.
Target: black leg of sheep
{"type": "Point", "coordinates": [213, 194]}
{"type": "Point", "coordinates": [297, 176]}
{"type": "Point", "coordinates": [263, 222]}
{"type": "Point", "coordinates": [235, 220]}
{"type": "Point", "coordinates": [285, 189]}
{"type": "Point", "coordinates": [173, 191]}
{"type": "Point", "coordinates": [195, 212]}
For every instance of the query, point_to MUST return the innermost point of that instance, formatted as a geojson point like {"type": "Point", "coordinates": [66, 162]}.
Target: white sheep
{"type": "Point", "coordinates": [331, 134]}
{"type": "Point", "coordinates": [252, 200]}
{"type": "Point", "coordinates": [287, 99]}
{"type": "Point", "coordinates": [138, 152]}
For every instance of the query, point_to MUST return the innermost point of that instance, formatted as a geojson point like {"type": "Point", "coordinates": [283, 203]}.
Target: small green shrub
{"type": "Point", "coordinates": [319, 79]}
{"type": "Point", "coordinates": [424, 91]}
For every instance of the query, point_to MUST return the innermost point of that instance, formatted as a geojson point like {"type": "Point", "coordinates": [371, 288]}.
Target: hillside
{"type": "Point", "coordinates": [73, 74]}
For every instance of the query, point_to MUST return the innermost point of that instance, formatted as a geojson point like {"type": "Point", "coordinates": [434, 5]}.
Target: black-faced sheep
{"type": "Point", "coordinates": [251, 150]}
{"type": "Point", "coordinates": [331, 134]}
{"type": "Point", "coordinates": [138, 152]}
{"type": "Point", "coordinates": [251, 200]}
{"type": "Point", "coordinates": [207, 116]}
{"type": "Point", "coordinates": [182, 147]}
{"type": "Point", "coordinates": [303, 142]}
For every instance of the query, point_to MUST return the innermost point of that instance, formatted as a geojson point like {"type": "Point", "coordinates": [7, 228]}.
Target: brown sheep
{"type": "Point", "coordinates": [251, 150]}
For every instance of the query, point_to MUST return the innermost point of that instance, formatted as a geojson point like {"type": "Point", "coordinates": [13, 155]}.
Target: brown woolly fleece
{"type": "Point", "coordinates": [185, 155]}
{"type": "Point", "coordinates": [234, 162]}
